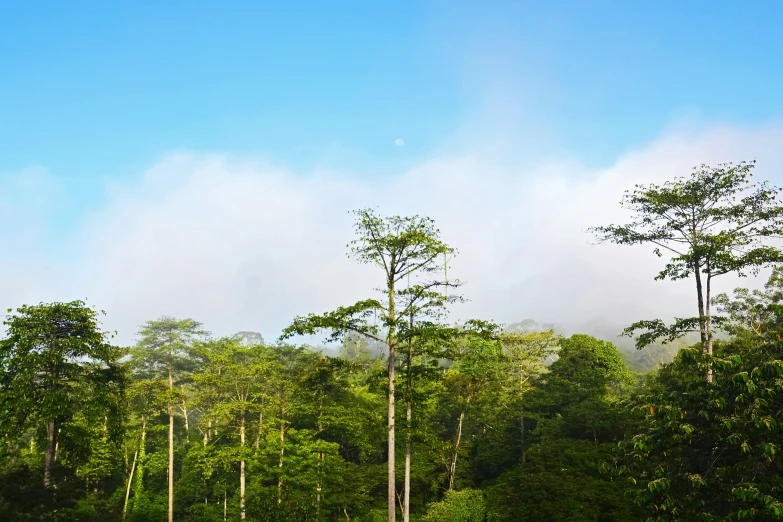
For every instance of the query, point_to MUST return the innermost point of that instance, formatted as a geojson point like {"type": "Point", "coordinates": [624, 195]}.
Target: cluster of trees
{"type": "Point", "coordinates": [418, 418]}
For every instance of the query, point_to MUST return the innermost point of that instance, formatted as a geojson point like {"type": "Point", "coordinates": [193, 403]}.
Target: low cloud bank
{"type": "Point", "coordinates": [246, 245]}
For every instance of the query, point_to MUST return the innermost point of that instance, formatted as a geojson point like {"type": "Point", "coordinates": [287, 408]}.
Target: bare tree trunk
{"type": "Point", "coordinates": [206, 433]}
{"type": "Point", "coordinates": [242, 471]}
{"type": "Point", "coordinates": [407, 497]}
{"type": "Point", "coordinates": [51, 445]}
{"type": "Point", "coordinates": [408, 407]}
{"type": "Point", "coordinates": [392, 490]}
{"type": "Point", "coordinates": [139, 453]}
{"type": "Point", "coordinates": [127, 491]}
{"type": "Point", "coordinates": [225, 505]}
{"type": "Point", "coordinates": [453, 469]}
{"type": "Point", "coordinates": [185, 414]}
{"type": "Point", "coordinates": [142, 453]}
{"type": "Point", "coordinates": [700, 302]}
{"type": "Point", "coordinates": [171, 445]}
{"type": "Point", "coordinates": [708, 322]}
{"type": "Point", "coordinates": [260, 425]}
{"type": "Point", "coordinates": [522, 431]}
{"type": "Point", "coordinates": [318, 487]}
{"type": "Point", "coordinates": [280, 465]}
{"type": "Point", "coordinates": [702, 315]}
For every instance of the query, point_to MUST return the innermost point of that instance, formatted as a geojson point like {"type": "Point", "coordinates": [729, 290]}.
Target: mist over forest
{"type": "Point", "coordinates": [412, 261]}
{"type": "Point", "coordinates": [406, 412]}
{"type": "Point", "coordinates": [638, 360]}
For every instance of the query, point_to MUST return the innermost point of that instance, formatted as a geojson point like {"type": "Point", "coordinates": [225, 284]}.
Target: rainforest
{"type": "Point", "coordinates": [399, 261]}
{"type": "Point", "coordinates": [399, 412]}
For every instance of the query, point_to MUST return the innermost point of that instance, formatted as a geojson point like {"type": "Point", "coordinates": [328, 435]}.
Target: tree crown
{"type": "Point", "coordinates": [714, 221]}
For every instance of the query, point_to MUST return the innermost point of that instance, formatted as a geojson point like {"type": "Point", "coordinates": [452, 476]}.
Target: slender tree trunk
{"type": "Point", "coordinates": [708, 322]}
{"type": "Point", "coordinates": [318, 489]}
{"type": "Point", "coordinates": [320, 457]}
{"type": "Point", "coordinates": [185, 414]}
{"type": "Point", "coordinates": [260, 425]}
{"type": "Point", "coordinates": [225, 504]}
{"type": "Point", "coordinates": [280, 465]}
{"type": "Point", "coordinates": [345, 343]}
{"type": "Point", "coordinates": [171, 445]}
{"type": "Point", "coordinates": [702, 316]}
{"type": "Point", "coordinates": [408, 408]}
{"type": "Point", "coordinates": [407, 496]}
{"type": "Point", "coordinates": [392, 490]}
{"type": "Point", "coordinates": [522, 431]}
{"type": "Point", "coordinates": [453, 469]}
{"type": "Point", "coordinates": [128, 490]}
{"type": "Point", "coordinates": [242, 471]}
{"type": "Point", "coordinates": [700, 301]}
{"type": "Point", "coordinates": [142, 453]}
{"type": "Point", "coordinates": [51, 445]}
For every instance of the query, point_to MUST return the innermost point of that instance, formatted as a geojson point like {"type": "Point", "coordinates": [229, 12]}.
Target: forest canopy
{"type": "Point", "coordinates": [415, 416]}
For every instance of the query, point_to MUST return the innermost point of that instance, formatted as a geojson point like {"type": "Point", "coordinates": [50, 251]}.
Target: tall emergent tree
{"type": "Point", "coordinates": [400, 247]}
{"type": "Point", "coordinates": [712, 223]}
{"type": "Point", "coordinates": [163, 351]}
{"type": "Point", "coordinates": [146, 397]}
{"type": "Point", "coordinates": [55, 361]}
{"type": "Point", "coordinates": [425, 339]}
{"type": "Point", "coordinates": [712, 451]}
{"type": "Point", "coordinates": [236, 376]}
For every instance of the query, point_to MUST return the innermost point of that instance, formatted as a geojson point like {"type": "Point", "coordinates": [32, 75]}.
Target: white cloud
{"type": "Point", "coordinates": [245, 245]}
{"type": "Point", "coordinates": [27, 270]}
{"type": "Point", "coordinates": [399, 142]}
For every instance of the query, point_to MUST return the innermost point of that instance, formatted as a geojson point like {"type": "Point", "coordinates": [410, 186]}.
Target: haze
{"type": "Point", "coordinates": [204, 167]}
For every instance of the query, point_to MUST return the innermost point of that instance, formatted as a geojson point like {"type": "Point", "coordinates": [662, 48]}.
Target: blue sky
{"type": "Point", "coordinates": [101, 89]}
{"type": "Point", "coordinates": [95, 94]}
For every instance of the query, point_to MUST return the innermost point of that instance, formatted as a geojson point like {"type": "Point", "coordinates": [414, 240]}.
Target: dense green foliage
{"type": "Point", "coordinates": [514, 424]}
{"type": "Point", "coordinates": [711, 223]}
{"type": "Point", "coordinates": [711, 451]}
